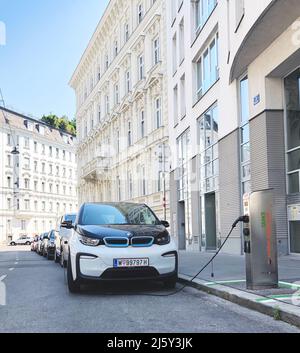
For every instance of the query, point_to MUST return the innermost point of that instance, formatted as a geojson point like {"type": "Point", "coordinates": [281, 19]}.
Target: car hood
{"type": "Point", "coordinates": [126, 231]}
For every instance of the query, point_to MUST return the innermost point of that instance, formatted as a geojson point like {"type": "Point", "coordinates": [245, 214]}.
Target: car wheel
{"type": "Point", "coordinates": [62, 259]}
{"type": "Point", "coordinates": [74, 286]}
{"type": "Point", "coordinates": [28, 243]}
{"type": "Point", "coordinates": [170, 283]}
{"type": "Point", "coordinates": [13, 244]}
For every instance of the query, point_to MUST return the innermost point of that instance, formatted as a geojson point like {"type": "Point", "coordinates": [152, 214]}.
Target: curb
{"type": "Point", "coordinates": [288, 313]}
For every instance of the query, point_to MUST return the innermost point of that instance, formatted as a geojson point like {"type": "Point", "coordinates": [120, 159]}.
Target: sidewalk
{"type": "Point", "coordinates": [229, 282]}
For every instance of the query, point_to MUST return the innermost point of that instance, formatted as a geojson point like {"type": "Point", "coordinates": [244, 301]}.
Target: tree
{"type": "Point", "coordinates": [63, 123]}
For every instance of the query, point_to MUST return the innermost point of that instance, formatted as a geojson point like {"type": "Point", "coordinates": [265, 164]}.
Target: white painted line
{"type": "Point", "coordinates": [3, 278]}
{"type": "Point", "coordinates": [11, 269]}
{"type": "Point", "coordinates": [291, 285]}
{"type": "Point", "coordinates": [16, 263]}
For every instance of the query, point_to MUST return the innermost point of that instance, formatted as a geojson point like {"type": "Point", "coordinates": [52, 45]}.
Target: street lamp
{"type": "Point", "coordinates": [15, 151]}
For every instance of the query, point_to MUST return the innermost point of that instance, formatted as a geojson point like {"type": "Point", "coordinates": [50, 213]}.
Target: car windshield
{"type": "Point", "coordinates": [125, 214]}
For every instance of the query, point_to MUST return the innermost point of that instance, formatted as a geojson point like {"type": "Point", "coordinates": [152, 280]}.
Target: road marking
{"type": "Point", "coordinates": [290, 285]}
{"type": "Point", "coordinates": [273, 298]}
{"type": "Point", "coordinates": [11, 269]}
{"type": "Point", "coordinates": [225, 282]}
{"type": "Point", "coordinates": [2, 278]}
{"type": "Point", "coordinates": [16, 263]}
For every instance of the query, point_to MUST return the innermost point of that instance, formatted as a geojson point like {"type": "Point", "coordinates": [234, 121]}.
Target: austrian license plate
{"type": "Point", "coordinates": [131, 263]}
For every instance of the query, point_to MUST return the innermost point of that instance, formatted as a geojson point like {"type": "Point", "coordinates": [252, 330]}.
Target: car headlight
{"type": "Point", "coordinates": [163, 240]}
{"type": "Point", "coordinates": [88, 241]}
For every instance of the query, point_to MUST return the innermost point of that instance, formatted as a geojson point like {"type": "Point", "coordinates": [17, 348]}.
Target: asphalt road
{"type": "Point", "coordinates": [37, 300]}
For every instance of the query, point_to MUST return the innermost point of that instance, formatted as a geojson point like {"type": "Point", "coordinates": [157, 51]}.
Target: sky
{"type": "Point", "coordinates": [44, 43]}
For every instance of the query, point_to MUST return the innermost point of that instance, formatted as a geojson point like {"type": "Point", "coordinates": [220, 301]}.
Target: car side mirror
{"type": "Point", "coordinates": [166, 224]}
{"type": "Point", "coordinates": [67, 225]}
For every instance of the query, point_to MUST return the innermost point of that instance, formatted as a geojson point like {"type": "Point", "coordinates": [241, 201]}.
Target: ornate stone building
{"type": "Point", "coordinates": [122, 108]}
{"type": "Point", "coordinates": [37, 175]}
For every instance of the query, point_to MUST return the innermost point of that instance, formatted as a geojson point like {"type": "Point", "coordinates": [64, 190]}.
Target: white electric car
{"type": "Point", "coordinates": [120, 241]}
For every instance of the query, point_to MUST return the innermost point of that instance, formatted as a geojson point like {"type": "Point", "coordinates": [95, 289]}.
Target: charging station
{"type": "Point", "coordinates": [260, 243]}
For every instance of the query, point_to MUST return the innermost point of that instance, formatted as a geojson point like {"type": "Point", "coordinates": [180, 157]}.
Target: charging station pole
{"type": "Point", "coordinates": [260, 241]}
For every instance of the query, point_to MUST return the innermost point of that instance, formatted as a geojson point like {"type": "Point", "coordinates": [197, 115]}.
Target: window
{"type": "Point", "coordinates": [182, 97]}
{"type": "Point", "coordinates": [50, 151]}
{"type": "Point", "coordinates": [141, 67]}
{"type": "Point", "coordinates": [26, 184]}
{"type": "Point", "coordinates": [57, 153]}
{"type": "Point", "coordinates": [129, 135]}
{"type": "Point", "coordinates": [140, 13]}
{"type": "Point", "coordinates": [57, 170]}
{"type": "Point", "coordinates": [26, 163]}
{"type": "Point", "coordinates": [35, 166]}
{"type": "Point", "coordinates": [50, 169]}
{"type": "Point", "coordinates": [9, 164]}
{"type": "Point", "coordinates": [117, 98]}
{"type": "Point", "coordinates": [183, 157]}
{"type": "Point", "coordinates": [208, 126]}
{"type": "Point", "coordinates": [245, 136]}
{"type": "Point", "coordinates": [43, 206]}
{"type": "Point", "coordinates": [127, 82]}
{"type": "Point", "coordinates": [27, 205]}
{"type": "Point", "coordinates": [142, 124]}
{"type": "Point", "coordinates": [26, 142]}
{"type": "Point", "coordinates": [292, 100]}
{"type": "Point", "coordinates": [64, 172]}
{"type": "Point", "coordinates": [99, 113]}
{"type": "Point", "coordinates": [43, 168]}
{"type": "Point", "coordinates": [126, 32]}
{"type": "Point", "coordinates": [181, 42]}
{"type": "Point", "coordinates": [107, 105]}
{"type": "Point", "coordinates": [57, 189]}
{"type": "Point", "coordinates": [118, 141]}
{"type": "Point", "coordinates": [143, 175]}
{"type": "Point", "coordinates": [119, 189]}
{"type": "Point", "coordinates": [203, 9]}
{"type": "Point", "coordinates": [43, 187]}
{"type": "Point", "coordinates": [43, 149]}
{"type": "Point", "coordinates": [175, 105]}
{"type": "Point", "coordinates": [106, 61]}
{"type": "Point", "coordinates": [35, 146]}
{"type": "Point", "coordinates": [64, 155]}
{"type": "Point", "coordinates": [207, 68]}
{"type": "Point", "coordinates": [35, 205]}
{"type": "Point", "coordinates": [35, 185]}
{"type": "Point", "coordinates": [23, 225]}
{"type": "Point", "coordinates": [50, 188]}
{"type": "Point", "coordinates": [130, 186]}
{"type": "Point", "coordinates": [9, 182]}
{"type": "Point", "coordinates": [116, 48]}
{"type": "Point", "coordinates": [158, 115]}
{"type": "Point", "coordinates": [9, 204]}
{"type": "Point", "coordinates": [9, 140]}
{"type": "Point", "coordinates": [156, 51]}
{"type": "Point", "coordinates": [70, 174]}
{"type": "Point", "coordinates": [174, 46]}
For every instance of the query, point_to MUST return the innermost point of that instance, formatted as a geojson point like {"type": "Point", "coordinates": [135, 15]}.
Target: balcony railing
{"type": "Point", "coordinates": [96, 168]}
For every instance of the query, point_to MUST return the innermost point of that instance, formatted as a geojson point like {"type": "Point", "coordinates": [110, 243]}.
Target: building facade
{"type": "Point", "coordinates": [233, 69]}
{"type": "Point", "coordinates": [122, 107]}
{"type": "Point", "coordinates": [38, 180]}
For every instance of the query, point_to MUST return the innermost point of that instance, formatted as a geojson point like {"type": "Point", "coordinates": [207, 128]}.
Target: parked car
{"type": "Point", "coordinates": [62, 243]}
{"type": "Point", "coordinates": [120, 241]}
{"type": "Point", "coordinates": [49, 245]}
{"type": "Point", "coordinates": [45, 239]}
{"type": "Point", "coordinates": [22, 241]}
{"type": "Point", "coordinates": [39, 245]}
{"type": "Point", "coordinates": [34, 244]}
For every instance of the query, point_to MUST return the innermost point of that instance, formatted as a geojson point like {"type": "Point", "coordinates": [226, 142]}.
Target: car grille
{"type": "Point", "coordinates": [130, 273]}
{"type": "Point", "coordinates": [138, 242]}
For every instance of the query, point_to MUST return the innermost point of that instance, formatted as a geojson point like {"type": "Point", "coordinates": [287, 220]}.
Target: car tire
{"type": "Point", "coordinates": [171, 282]}
{"type": "Point", "coordinates": [13, 244]}
{"type": "Point", "coordinates": [63, 262]}
{"type": "Point", "coordinates": [74, 286]}
{"type": "Point", "coordinates": [28, 243]}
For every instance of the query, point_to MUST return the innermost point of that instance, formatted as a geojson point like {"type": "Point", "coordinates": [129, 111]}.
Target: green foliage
{"type": "Point", "coordinates": [277, 313]}
{"type": "Point", "coordinates": [62, 123]}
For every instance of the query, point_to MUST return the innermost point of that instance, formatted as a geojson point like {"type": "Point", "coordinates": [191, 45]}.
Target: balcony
{"type": "Point", "coordinates": [95, 169]}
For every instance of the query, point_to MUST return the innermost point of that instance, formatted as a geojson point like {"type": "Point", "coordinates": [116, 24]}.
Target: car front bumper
{"type": "Point", "coordinates": [97, 263]}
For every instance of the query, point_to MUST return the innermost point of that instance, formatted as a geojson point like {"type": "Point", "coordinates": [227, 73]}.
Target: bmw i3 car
{"type": "Point", "coordinates": [120, 241]}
